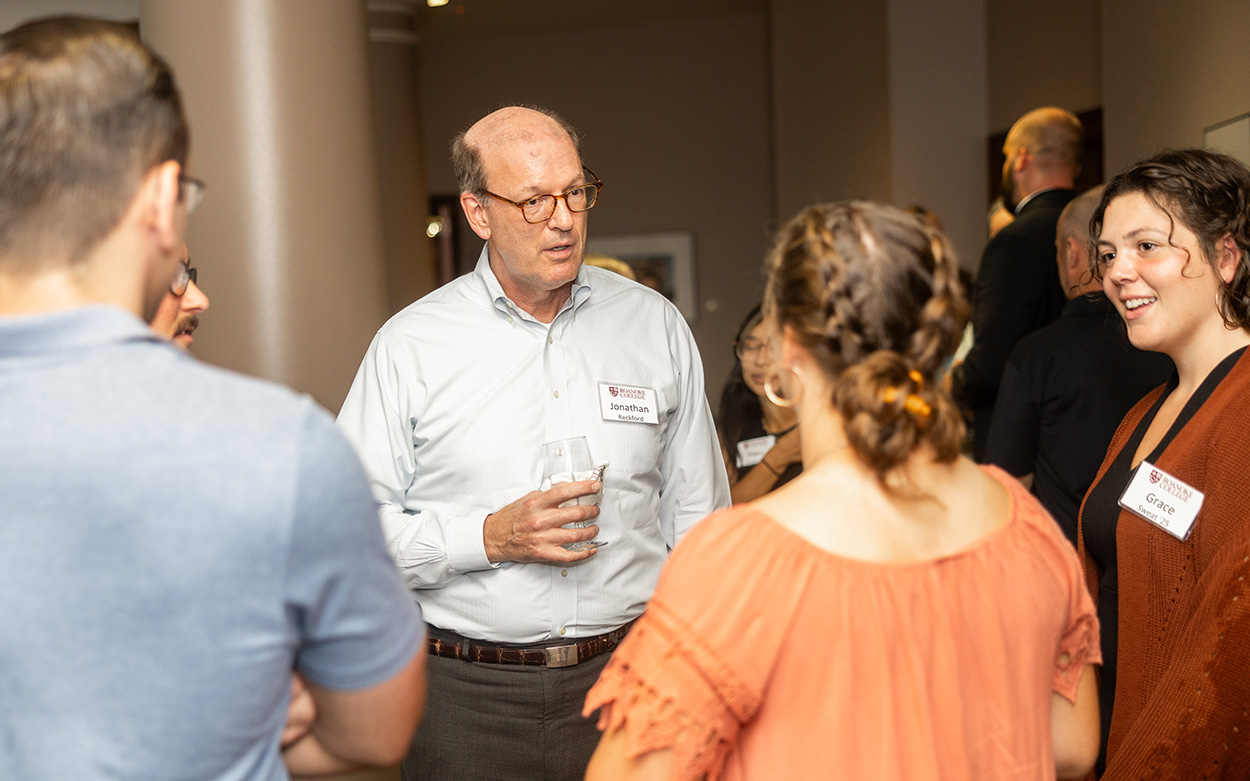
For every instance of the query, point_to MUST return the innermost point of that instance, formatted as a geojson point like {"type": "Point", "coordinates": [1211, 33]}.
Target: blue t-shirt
{"type": "Point", "coordinates": [174, 540]}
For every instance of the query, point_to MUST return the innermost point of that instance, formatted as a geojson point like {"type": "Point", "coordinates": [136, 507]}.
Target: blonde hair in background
{"type": "Point", "coordinates": [612, 264]}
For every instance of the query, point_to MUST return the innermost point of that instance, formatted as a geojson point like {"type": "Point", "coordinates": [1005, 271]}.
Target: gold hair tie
{"type": "Point", "coordinates": [917, 407]}
{"type": "Point", "coordinates": [916, 377]}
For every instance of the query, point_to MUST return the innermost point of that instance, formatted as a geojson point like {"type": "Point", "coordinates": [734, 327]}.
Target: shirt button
{"type": "Point", "coordinates": [561, 631]}
{"type": "Point", "coordinates": [550, 340]}
{"type": "Point", "coordinates": [556, 394]}
{"type": "Point", "coordinates": [564, 573]}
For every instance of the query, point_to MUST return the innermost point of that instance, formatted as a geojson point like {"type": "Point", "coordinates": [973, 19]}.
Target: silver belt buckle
{"type": "Point", "coordinates": [561, 655]}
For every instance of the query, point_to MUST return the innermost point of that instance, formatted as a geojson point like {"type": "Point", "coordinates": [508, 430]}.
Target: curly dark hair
{"type": "Point", "coordinates": [1209, 193]}
{"type": "Point", "coordinates": [874, 295]}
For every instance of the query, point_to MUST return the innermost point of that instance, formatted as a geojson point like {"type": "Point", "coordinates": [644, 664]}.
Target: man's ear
{"type": "Point", "coordinates": [1077, 261]}
{"type": "Point", "coordinates": [1023, 157]}
{"type": "Point", "coordinates": [1229, 255]}
{"type": "Point", "coordinates": [158, 207]}
{"type": "Point", "coordinates": [475, 213]}
{"type": "Point", "coordinates": [1074, 258]}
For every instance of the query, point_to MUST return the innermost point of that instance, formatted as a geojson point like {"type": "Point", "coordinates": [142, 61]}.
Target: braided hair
{"type": "Point", "coordinates": [873, 294]}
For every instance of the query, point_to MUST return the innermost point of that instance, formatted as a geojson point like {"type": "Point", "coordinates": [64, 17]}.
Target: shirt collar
{"type": "Point", "coordinates": [70, 330]}
{"type": "Point", "coordinates": [500, 300]}
{"type": "Point", "coordinates": [1033, 195]}
{"type": "Point", "coordinates": [1089, 303]}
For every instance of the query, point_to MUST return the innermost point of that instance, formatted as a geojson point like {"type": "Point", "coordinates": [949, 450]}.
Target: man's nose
{"type": "Point", "coordinates": [194, 299]}
{"type": "Point", "coordinates": [562, 217]}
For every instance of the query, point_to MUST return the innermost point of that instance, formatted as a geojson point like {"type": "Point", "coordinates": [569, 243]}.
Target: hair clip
{"type": "Point", "coordinates": [916, 406]}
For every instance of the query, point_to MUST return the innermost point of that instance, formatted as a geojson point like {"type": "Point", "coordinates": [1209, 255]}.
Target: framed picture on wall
{"type": "Point", "coordinates": [661, 261]}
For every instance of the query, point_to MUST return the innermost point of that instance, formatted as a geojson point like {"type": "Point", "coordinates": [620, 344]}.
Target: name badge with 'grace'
{"type": "Point", "coordinates": [628, 403]}
{"type": "Point", "coordinates": [1156, 496]}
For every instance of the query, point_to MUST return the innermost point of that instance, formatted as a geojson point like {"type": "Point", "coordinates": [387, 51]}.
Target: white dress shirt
{"type": "Point", "coordinates": [449, 411]}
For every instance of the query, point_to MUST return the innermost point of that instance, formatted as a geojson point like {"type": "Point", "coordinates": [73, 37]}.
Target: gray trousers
{"type": "Point", "coordinates": [495, 721]}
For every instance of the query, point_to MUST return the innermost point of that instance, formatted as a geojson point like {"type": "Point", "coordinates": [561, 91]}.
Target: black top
{"type": "Point", "coordinates": [1102, 512]}
{"type": "Point", "coordinates": [1065, 390]}
{"type": "Point", "coordinates": [750, 430]}
{"type": "Point", "coordinates": [1017, 292]}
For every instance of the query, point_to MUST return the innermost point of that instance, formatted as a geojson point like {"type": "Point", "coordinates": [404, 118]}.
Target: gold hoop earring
{"type": "Point", "coordinates": [778, 400]}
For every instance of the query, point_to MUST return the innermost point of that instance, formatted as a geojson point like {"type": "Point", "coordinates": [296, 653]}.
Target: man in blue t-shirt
{"type": "Point", "coordinates": [152, 616]}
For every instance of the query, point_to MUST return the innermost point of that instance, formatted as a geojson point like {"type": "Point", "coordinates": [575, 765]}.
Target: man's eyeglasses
{"type": "Point", "coordinates": [192, 190]}
{"type": "Point", "coordinates": [540, 208]}
{"type": "Point", "coordinates": [184, 277]}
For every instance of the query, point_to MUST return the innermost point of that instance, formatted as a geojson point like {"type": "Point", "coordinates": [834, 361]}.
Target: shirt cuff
{"type": "Point", "coordinates": [466, 547]}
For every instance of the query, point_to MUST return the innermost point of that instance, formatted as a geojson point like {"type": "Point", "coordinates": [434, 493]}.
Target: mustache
{"type": "Point", "coordinates": [188, 325]}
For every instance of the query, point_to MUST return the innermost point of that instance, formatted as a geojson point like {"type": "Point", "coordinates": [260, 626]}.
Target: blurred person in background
{"type": "Point", "coordinates": [760, 439]}
{"type": "Point", "coordinates": [178, 315]}
{"type": "Point", "coordinates": [1017, 286]}
{"type": "Point", "coordinates": [1067, 386]}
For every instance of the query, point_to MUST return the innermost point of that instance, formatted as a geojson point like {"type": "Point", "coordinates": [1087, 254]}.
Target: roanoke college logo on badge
{"type": "Point", "coordinates": [1154, 476]}
{"type": "Point", "coordinates": [612, 389]}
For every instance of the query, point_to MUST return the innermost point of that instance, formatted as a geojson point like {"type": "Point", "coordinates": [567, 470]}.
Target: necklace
{"type": "Point", "coordinates": [825, 455]}
{"type": "Point", "coordinates": [782, 433]}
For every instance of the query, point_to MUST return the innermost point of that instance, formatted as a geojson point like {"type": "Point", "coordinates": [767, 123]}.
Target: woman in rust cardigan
{"type": "Point", "coordinates": [1165, 528]}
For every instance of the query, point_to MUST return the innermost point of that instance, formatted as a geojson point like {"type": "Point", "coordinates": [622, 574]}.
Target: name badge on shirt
{"type": "Point", "coordinates": [1168, 503]}
{"type": "Point", "coordinates": [752, 451]}
{"type": "Point", "coordinates": [628, 403]}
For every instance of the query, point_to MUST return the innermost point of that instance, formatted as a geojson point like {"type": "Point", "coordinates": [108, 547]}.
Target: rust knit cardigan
{"type": "Point", "coordinates": [1182, 699]}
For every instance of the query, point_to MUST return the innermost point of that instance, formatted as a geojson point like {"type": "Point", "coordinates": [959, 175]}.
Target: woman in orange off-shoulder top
{"type": "Point", "coordinates": [895, 612]}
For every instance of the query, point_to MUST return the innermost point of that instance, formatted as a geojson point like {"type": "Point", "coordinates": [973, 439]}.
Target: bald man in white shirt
{"type": "Point", "coordinates": [449, 411]}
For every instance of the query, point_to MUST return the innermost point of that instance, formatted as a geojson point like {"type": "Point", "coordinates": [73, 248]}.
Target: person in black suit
{"type": "Point", "coordinates": [1067, 386]}
{"type": "Point", "coordinates": [1017, 288]}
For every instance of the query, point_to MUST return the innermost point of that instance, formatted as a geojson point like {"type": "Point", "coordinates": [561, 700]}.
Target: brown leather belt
{"type": "Point", "coordinates": [581, 650]}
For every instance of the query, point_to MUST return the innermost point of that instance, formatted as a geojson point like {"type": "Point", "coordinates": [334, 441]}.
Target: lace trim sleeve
{"type": "Point", "coordinates": [1078, 648]}
{"type": "Point", "coordinates": [668, 693]}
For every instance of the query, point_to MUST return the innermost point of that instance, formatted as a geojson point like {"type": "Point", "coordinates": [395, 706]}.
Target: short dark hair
{"type": "Point", "coordinates": [1209, 192]}
{"type": "Point", "coordinates": [86, 110]}
{"type": "Point", "coordinates": [466, 160]}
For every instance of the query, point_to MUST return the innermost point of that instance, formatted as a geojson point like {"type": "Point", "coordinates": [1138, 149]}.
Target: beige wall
{"type": "Point", "coordinates": [830, 101]}
{"type": "Point", "coordinates": [1169, 70]}
{"type": "Point", "coordinates": [938, 117]}
{"type": "Point", "coordinates": [725, 124]}
{"type": "Point", "coordinates": [14, 12]}
{"type": "Point", "coordinates": [1047, 54]}
{"type": "Point", "coordinates": [289, 240]}
{"type": "Point", "coordinates": [675, 119]}
{"type": "Point", "coordinates": [410, 270]}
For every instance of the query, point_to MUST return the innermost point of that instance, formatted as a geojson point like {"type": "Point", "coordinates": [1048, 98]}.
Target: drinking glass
{"type": "Point", "coordinates": [566, 461]}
